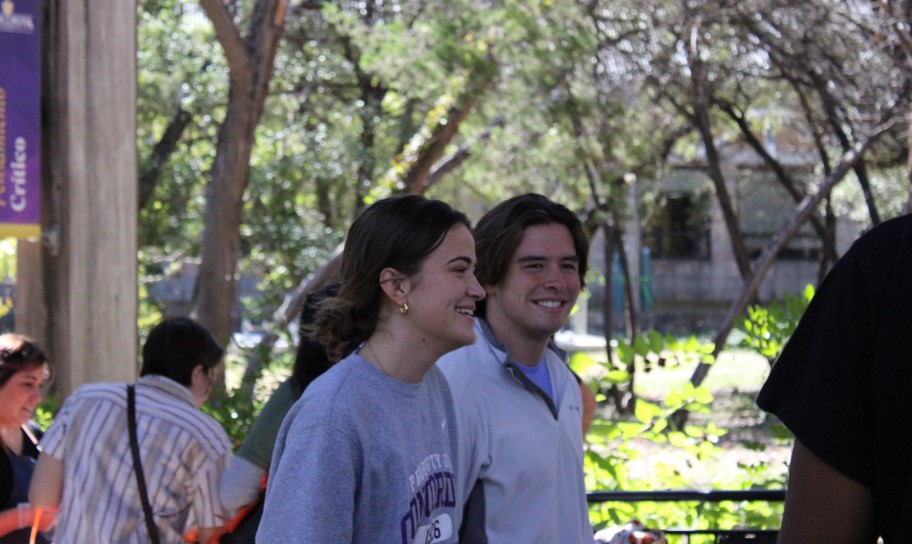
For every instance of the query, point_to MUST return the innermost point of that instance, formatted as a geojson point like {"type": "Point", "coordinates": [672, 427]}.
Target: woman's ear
{"type": "Point", "coordinates": [395, 285]}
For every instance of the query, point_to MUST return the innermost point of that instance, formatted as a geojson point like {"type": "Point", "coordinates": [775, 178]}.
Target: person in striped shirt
{"type": "Point", "coordinates": [86, 467]}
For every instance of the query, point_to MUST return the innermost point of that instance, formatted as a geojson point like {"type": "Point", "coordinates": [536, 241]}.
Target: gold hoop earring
{"type": "Point", "coordinates": [404, 308]}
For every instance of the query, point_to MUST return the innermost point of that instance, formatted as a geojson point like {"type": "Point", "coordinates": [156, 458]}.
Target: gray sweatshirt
{"type": "Point", "coordinates": [363, 458]}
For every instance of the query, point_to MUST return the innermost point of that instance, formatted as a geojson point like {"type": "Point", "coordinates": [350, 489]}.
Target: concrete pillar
{"type": "Point", "coordinates": [77, 291]}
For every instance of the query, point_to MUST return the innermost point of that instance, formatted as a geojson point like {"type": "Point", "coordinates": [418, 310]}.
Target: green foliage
{"type": "Point", "coordinates": [149, 313]}
{"type": "Point", "coordinates": [235, 410]}
{"type": "Point", "coordinates": [767, 329]}
{"type": "Point", "coordinates": [236, 407]}
{"type": "Point", "coordinates": [648, 351]}
{"type": "Point", "coordinates": [44, 412]}
{"type": "Point", "coordinates": [8, 259]}
{"type": "Point", "coordinates": [889, 187]}
{"type": "Point", "coordinates": [613, 444]}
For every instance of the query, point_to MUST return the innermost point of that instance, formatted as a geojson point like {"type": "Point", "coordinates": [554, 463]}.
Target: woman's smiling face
{"type": "Point", "coordinates": [443, 294]}
{"type": "Point", "coordinates": [21, 394]}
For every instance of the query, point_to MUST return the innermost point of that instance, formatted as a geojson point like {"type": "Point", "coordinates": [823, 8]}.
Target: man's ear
{"type": "Point", "coordinates": [395, 285]}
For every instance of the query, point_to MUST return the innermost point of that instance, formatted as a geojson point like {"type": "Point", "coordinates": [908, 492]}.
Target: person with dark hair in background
{"type": "Point", "coordinates": [519, 407]}
{"type": "Point", "coordinates": [24, 370]}
{"type": "Point", "coordinates": [87, 466]}
{"type": "Point", "coordinates": [841, 385]}
{"type": "Point", "coordinates": [366, 455]}
{"type": "Point", "coordinates": [241, 484]}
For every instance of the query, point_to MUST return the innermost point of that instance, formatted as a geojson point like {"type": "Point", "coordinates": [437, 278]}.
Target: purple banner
{"type": "Point", "coordinates": [20, 118]}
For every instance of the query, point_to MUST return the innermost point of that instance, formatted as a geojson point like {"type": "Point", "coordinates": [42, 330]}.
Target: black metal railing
{"type": "Point", "coordinates": [720, 536]}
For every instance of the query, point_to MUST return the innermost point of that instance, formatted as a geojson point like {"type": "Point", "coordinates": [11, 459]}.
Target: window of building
{"type": "Point", "coordinates": [677, 225]}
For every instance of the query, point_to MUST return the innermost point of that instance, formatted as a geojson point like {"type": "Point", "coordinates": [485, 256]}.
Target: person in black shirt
{"type": "Point", "coordinates": [841, 385]}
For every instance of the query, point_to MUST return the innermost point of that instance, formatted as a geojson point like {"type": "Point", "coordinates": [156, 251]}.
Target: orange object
{"type": "Point", "coordinates": [191, 535]}
{"type": "Point", "coordinates": [34, 536]}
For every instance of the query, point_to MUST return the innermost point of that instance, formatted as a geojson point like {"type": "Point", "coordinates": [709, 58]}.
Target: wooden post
{"type": "Point", "coordinates": [77, 290]}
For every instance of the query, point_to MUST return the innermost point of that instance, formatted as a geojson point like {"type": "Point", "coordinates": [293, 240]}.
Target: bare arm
{"type": "Point", "coordinates": [824, 505]}
{"type": "Point", "coordinates": [9, 521]}
{"type": "Point", "coordinates": [240, 484]}
{"type": "Point", "coordinates": [22, 517]}
{"type": "Point", "coordinates": [47, 483]}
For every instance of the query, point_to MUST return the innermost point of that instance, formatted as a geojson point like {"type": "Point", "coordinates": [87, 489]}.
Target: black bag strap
{"type": "Point", "coordinates": [137, 464]}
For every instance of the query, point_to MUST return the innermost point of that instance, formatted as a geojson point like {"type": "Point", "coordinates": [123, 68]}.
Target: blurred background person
{"type": "Point", "coordinates": [86, 466]}
{"type": "Point", "coordinates": [24, 370]}
{"type": "Point", "coordinates": [241, 484]}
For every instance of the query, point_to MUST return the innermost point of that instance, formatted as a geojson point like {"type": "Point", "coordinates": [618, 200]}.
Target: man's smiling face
{"type": "Point", "coordinates": [541, 285]}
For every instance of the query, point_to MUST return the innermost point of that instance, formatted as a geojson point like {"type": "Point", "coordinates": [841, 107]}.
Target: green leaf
{"type": "Point", "coordinates": [646, 411]}
{"type": "Point", "coordinates": [656, 342]}
{"type": "Point", "coordinates": [691, 345]}
{"type": "Point", "coordinates": [674, 400]}
{"type": "Point", "coordinates": [640, 346]}
{"type": "Point", "coordinates": [580, 362]}
{"type": "Point", "coordinates": [703, 395]}
{"type": "Point", "coordinates": [678, 439]}
{"type": "Point", "coordinates": [693, 431]}
{"type": "Point", "coordinates": [618, 376]}
{"type": "Point", "coordinates": [624, 352]}
{"type": "Point", "coordinates": [660, 425]}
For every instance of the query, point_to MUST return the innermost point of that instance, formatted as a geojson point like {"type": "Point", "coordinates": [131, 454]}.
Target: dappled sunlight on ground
{"type": "Point", "coordinates": [751, 451]}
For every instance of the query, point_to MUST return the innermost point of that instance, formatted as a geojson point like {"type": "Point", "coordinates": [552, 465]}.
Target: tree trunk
{"type": "Point", "coordinates": [215, 298]}
{"type": "Point", "coordinates": [630, 318]}
{"type": "Point", "coordinates": [825, 260]}
{"type": "Point", "coordinates": [76, 293]}
{"type": "Point", "coordinates": [250, 64]}
{"type": "Point", "coordinates": [701, 100]}
{"type": "Point", "coordinates": [836, 121]}
{"type": "Point", "coordinates": [722, 196]}
{"type": "Point", "coordinates": [608, 249]}
{"type": "Point", "coordinates": [432, 149]}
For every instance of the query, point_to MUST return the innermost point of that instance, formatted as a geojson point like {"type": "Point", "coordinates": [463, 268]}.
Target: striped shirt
{"type": "Point", "coordinates": [183, 453]}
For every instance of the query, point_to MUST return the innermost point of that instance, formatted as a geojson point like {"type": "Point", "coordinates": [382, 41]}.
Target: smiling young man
{"type": "Point", "coordinates": [518, 406]}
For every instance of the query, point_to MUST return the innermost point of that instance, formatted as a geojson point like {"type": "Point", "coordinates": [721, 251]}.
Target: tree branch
{"type": "Point", "coordinates": [239, 61]}
{"type": "Point", "coordinates": [784, 178]}
{"type": "Point", "coordinates": [431, 150]}
{"type": "Point", "coordinates": [291, 307]}
{"type": "Point", "coordinates": [447, 165]}
{"type": "Point", "coordinates": [158, 158]}
{"type": "Point", "coordinates": [804, 210]}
